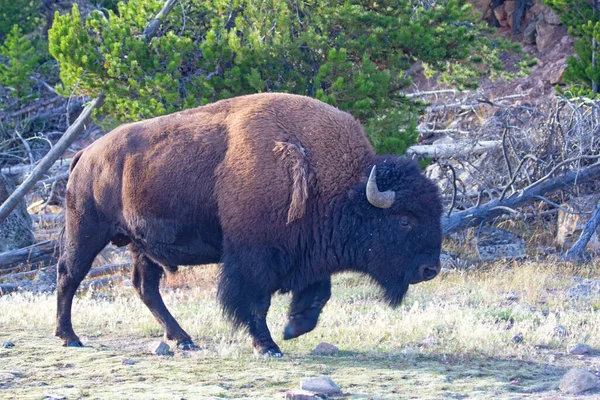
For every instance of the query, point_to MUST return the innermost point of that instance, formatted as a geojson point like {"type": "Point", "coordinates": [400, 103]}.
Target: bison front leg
{"type": "Point", "coordinates": [306, 307]}
{"type": "Point", "coordinates": [246, 302]}
{"type": "Point", "coordinates": [146, 279]}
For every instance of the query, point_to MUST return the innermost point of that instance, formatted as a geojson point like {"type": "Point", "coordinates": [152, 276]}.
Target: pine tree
{"type": "Point", "coordinates": [583, 21]}
{"type": "Point", "coordinates": [23, 13]}
{"type": "Point", "coordinates": [352, 54]}
{"type": "Point", "coordinates": [22, 61]}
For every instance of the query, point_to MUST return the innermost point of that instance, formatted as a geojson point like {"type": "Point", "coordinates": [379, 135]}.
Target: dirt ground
{"type": "Point", "coordinates": [453, 337]}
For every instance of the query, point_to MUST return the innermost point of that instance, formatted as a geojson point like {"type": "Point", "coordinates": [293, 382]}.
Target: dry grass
{"type": "Point", "coordinates": [452, 337]}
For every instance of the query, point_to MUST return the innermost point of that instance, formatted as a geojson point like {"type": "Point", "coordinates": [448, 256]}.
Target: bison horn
{"type": "Point", "coordinates": [377, 198]}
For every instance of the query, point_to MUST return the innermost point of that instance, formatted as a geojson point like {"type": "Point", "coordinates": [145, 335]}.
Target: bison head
{"type": "Point", "coordinates": [398, 236]}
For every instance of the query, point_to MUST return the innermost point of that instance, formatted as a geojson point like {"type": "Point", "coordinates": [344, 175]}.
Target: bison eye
{"type": "Point", "coordinates": [405, 221]}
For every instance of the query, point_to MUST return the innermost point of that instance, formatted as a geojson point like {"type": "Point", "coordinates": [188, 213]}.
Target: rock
{"type": "Point", "coordinates": [551, 18]}
{"type": "Point", "coordinates": [554, 76]}
{"type": "Point", "coordinates": [428, 342]}
{"type": "Point", "coordinates": [301, 395]}
{"type": "Point", "coordinates": [15, 230]}
{"type": "Point", "coordinates": [52, 396]}
{"type": "Point", "coordinates": [578, 380]}
{"type": "Point", "coordinates": [589, 287]}
{"type": "Point", "coordinates": [7, 345]}
{"type": "Point", "coordinates": [159, 348]}
{"type": "Point", "coordinates": [494, 243]}
{"type": "Point", "coordinates": [325, 349]}
{"type": "Point", "coordinates": [128, 361]}
{"type": "Point", "coordinates": [570, 225]}
{"type": "Point", "coordinates": [500, 14]}
{"type": "Point", "coordinates": [323, 384]}
{"type": "Point", "coordinates": [547, 36]}
{"type": "Point", "coordinates": [530, 33]}
{"type": "Point", "coordinates": [518, 338]}
{"type": "Point", "coordinates": [578, 349]}
{"type": "Point", "coordinates": [511, 296]}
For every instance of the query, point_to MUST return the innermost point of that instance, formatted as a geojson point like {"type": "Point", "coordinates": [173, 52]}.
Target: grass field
{"type": "Point", "coordinates": [454, 337]}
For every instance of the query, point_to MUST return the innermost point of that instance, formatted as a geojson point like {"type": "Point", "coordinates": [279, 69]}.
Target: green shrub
{"type": "Point", "coordinates": [23, 13]}
{"type": "Point", "coordinates": [582, 77]}
{"type": "Point", "coordinates": [22, 60]}
{"type": "Point", "coordinates": [352, 54]}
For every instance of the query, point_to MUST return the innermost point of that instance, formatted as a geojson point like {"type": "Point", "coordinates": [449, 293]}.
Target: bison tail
{"type": "Point", "coordinates": [75, 160]}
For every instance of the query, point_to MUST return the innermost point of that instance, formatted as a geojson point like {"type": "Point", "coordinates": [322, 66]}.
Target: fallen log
{"type": "Point", "coordinates": [6, 288]}
{"type": "Point", "coordinates": [99, 283]}
{"type": "Point", "coordinates": [18, 172]}
{"type": "Point", "coordinates": [43, 252]}
{"type": "Point", "coordinates": [476, 215]}
{"type": "Point", "coordinates": [107, 270]}
{"type": "Point", "coordinates": [457, 149]}
{"type": "Point", "coordinates": [24, 275]}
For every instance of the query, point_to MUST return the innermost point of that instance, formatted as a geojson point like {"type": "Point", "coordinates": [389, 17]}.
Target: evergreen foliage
{"type": "Point", "coordinates": [349, 53]}
{"type": "Point", "coordinates": [584, 24]}
{"type": "Point", "coordinates": [23, 13]}
{"type": "Point", "coordinates": [22, 61]}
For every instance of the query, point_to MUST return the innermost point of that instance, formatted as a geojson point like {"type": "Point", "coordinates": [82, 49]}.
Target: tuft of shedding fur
{"type": "Point", "coordinates": [295, 158]}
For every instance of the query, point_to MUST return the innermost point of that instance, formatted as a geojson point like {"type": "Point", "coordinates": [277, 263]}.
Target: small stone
{"type": "Point", "coordinates": [8, 344]}
{"type": "Point", "coordinates": [323, 384]}
{"type": "Point", "coordinates": [301, 395]}
{"type": "Point", "coordinates": [578, 380]}
{"type": "Point", "coordinates": [159, 348]}
{"type": "Point", "coordinates": [579, 349]}
{"type": "Point", "coordinates": [428, 342]}
{"type": "Point", "coordinates": [560, 332]}
{"type": "Point", "coordinates": [511, 296]}
{"type": "Point", "coordinates": [325, 349]}
{"type": "Point", "coordinates": [518, 338]}
{"type": "Point", "coordinates": [128, 361]}
{"type": "Point", "coordinates": [52, 396]}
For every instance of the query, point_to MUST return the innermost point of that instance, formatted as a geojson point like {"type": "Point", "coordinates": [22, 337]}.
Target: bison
{"type": "Point", "coordinates": [283, 190]}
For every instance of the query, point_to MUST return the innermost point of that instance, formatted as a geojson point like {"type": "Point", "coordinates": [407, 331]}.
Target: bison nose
{"type": "Point", "coordinates": [426, 272]}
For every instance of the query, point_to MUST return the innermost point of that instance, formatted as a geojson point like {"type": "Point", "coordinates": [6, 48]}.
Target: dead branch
{"type": "Point", "coordinates": [71, 134]}
{"type": "Point", "coordinates": [577, 252]}
{"type": "Point", "coordinates": [43, 252]}
{"type": "Point", "coordinates": [430, 92]}
{"type": "Point", "coordinates": [49, 159]}
{"type": "Point", "coordinates": [35, 107]}
{"type": "Point", "coordinates": [447, 150]}
{"type": "Point", "coordinates": [477, 215]}
{"type": "Point", "coordinates": [151, 28]}
{"type": "Point", "coordinates": [17, 172]}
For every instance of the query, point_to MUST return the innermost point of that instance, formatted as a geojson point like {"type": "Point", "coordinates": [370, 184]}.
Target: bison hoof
{"type": "Point", "coordinates": [74, 343]}
{"type": "Point", "coordinates": [299, 325]}
{"type": "Point", "coordinates": [187, 345]}
{"type": "Point", "coordinates": [268, 353]}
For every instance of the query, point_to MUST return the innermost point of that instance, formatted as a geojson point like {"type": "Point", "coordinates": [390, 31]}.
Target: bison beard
{"type": "Point", "coordinates": [283, 190]}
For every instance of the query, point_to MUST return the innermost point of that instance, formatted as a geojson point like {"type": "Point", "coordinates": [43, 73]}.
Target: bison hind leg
{"type": "Point", "coordinates": [146, 279]}
{"type": "Point", "coordinates": [83, 240]}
